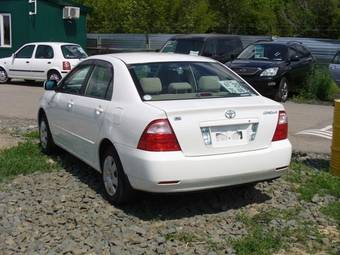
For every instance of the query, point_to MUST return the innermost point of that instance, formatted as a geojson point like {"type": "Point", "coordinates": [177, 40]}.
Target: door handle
{"type": "Point", "coordinates": [27, 62]}
{"type": "Point", "coordinates": [99, 110]}
{"type": "Point", "coordinates": [49, 62]}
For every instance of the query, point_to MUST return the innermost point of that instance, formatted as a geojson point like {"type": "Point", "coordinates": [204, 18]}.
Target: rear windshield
{"type": "Point", "coordinates": [187, 80]}
{"type": "Point", "coordinates": [73, 51]}
{"type": "Point", "coordinates": [273, 52]}
{"type": "Point", "coordinates": [193, 47]}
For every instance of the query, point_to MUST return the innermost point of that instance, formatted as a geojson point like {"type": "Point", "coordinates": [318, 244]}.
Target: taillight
{"type": "Point", "coordinates": [281, 131]}
{"type": "Point", "coordinates": [159, 136]}
{"type": "Point", "coordinates": [66, 66]}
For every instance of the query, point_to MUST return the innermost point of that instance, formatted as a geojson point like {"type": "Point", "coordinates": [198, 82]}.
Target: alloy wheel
{"type": "Point", "coordinates": [110, 175]}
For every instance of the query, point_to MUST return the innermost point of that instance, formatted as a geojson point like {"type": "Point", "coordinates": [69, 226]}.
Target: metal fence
{"type": "Point", "coordinates": [322, 49]}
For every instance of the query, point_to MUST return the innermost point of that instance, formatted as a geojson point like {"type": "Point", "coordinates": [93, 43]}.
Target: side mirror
{"type": "Point", "coordinates": [294, 58]}
{"type": "Point", "coordinates": [50, 85]}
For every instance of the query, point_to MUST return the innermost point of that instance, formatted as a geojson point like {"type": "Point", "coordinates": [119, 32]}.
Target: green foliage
{"type": "Point", "coordinates": [319, 86]}
{"type": "Point", "coordinates": [316, 18]}
{"type": "Point", "coordinates": [259, 242]}
{"type": "Point", "coordinates": [264, 238]}
{"type": "Point", "coordinates": [333, 210]}
{"type": "Point", "coordinates": [24, 159]}
{"type": "Point", "coordinates": [311, 182]}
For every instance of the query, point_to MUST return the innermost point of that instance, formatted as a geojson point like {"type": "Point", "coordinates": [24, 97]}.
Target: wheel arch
{"type": "Point", "coordinates": [103, 146]}
{"type": "Point", "coordinates": [41, 113]}
{"type": "Point", "coordinates": [53, 70]}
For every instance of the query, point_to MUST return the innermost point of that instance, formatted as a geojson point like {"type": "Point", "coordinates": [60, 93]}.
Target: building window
{"type": "Point", "coordinates": [5, 30]}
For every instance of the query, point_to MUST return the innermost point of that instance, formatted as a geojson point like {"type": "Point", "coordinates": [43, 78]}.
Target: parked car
{"type": "Point", "coordinates": [41, 61]}
{"type": "Point", "coordinates": [164, 123]}
{"type": "Point", "coordinates": [334, 67]}
{"type": "Point", "coordinates": [274, 68]}
{"type": "Point", "coordinates": [217, 46]}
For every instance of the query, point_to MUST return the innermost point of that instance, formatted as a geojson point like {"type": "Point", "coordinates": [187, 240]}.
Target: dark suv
{"type": "Point", "coordinates": [216, 46]}
{"type": "Point", "coordinates": [274, 68]}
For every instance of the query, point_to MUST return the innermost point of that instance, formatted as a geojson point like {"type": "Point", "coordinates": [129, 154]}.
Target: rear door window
{"type": "Point", "coordinates": [100, 82]}
{"type": "Point", "coordinates": [336, 59]}
{"type": "Point", "coordinates": [44, 52]}
{"type": "Point", "coordinates": [228, 46]}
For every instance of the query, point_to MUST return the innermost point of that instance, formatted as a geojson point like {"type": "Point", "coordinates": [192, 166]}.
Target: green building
{"type": "Point", "coordinates": [24, 21]}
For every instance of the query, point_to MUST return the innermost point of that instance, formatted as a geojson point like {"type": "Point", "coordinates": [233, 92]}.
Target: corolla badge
{"type": "Point", "coordinates": [230, 114]}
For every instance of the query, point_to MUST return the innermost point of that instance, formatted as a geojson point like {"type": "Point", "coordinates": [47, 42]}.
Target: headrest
{"type": "Point", "coordinates": [151, 85]}
{"type": "Point", "coordinates": [209, 83]}
{"type": "Point", "coordinates": [176, 87]}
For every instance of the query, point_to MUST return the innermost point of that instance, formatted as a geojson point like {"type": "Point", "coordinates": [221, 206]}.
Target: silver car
{"type": "Point", "coordinates": [334, 67]}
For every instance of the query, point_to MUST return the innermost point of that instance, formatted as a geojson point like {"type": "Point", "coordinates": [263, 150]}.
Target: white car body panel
{"type": "Point", "coordinates": [80, 130]}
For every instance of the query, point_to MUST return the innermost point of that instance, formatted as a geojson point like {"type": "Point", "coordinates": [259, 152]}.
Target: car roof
{"type": "Point", "coordinates": [284, 43]}
{"type": "Point", "coordinates": [153, 57]}
{"type": "Point", "coordinates": [202, 36]}
{"type": "Point", "coordinates": [54, 43]}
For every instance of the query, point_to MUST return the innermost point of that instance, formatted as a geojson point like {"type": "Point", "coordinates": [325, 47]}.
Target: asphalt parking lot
{"type": "Point", "coordinates": [310, 126]}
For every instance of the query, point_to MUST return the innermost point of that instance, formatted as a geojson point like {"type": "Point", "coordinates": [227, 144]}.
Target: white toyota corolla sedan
{"type": "Point", "coordinates": [164, 123]}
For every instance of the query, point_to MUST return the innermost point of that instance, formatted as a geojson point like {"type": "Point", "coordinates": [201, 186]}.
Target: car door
{"type": "Point", "coordinates": [90, 110]}
{"type": "Point", "coordinates": [20, 66]}
{"type": "Point", "coordinates": [335, 68]}
{"type": "Point", "coordinates": [61, 107]}
{"type": "Point", "coordinates": [298, 69]}
{"type": "Point", "coordinates": [43, 58]}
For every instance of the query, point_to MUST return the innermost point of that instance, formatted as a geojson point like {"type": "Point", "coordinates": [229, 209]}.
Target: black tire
{"type": "Point", "coordinates": [3, 76]}
{"type": "Point", "coordinates": [282, 91]}
{"type": "Point", "coordinates": [53, 75]}
{"type": "Point", "coordinates": [116, 184]}
{"type": "Point", "coordinates": [45, 137]}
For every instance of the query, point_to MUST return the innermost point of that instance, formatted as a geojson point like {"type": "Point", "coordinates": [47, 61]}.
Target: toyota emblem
{"type": "Point", "coordinates": [230, 114]}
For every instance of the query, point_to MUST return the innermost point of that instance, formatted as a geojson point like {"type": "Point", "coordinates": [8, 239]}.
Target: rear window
{"type": "Point", "coordinates": [73, 52]}
{"type": "Point", "coordinates": [193, 47]}
{"type": "Point", "coordinates": [187, 80]}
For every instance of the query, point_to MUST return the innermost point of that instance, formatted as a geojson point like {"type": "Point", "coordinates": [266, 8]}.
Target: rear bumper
{"type": "Point", "coordinates": [146, 170]}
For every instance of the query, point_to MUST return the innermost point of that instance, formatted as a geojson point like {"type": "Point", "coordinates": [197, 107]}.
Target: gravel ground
{"type": "Point", "coordinates": [65, 212]}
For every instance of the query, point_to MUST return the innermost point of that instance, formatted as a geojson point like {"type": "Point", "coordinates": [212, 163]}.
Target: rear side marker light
{"type": "Point", "coordinates": [66, 66]}
{"type": "Point", "coordinates": [168, 182]}
{"type": "Point", "coordinates": [281, 131]}
{"type": "Point", "coordinates": [281, 168]}
{"type": "Point", "coordinates": [159, 136]}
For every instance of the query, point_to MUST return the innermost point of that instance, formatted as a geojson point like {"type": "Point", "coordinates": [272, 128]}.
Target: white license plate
{"type": "Point", "coordinates": [231, 135]}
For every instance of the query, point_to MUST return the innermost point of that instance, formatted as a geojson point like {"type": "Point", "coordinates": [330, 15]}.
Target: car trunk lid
{"type": "Point", "coordinates": [221, 125]}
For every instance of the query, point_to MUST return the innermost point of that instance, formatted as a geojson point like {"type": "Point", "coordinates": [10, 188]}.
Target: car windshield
{"type": "Point", "coordinates": [273, 52]}
{"type": "Point", "coordinates": [187, 80]}
{"type": "Point", "coordinates": [73, 51]}
{"type": "Point", "coordinates": [193, 47]}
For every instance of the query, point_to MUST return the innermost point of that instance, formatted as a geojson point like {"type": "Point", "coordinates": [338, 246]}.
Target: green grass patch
{"type": "Point", "coordinates": [24, 159]}
{"type": "Point", "coordinates": [258, 242]}
{"type": "Point", "coordinates": [311, 182]}
{"type": "Point", "coordinates": [266, 238]}
{"type": "Point", "coordinates": [185, 237]}
{"type": "Point", "coordinates": [31, 135]}
{"type": "Point", "coordinates": [333, 211]}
